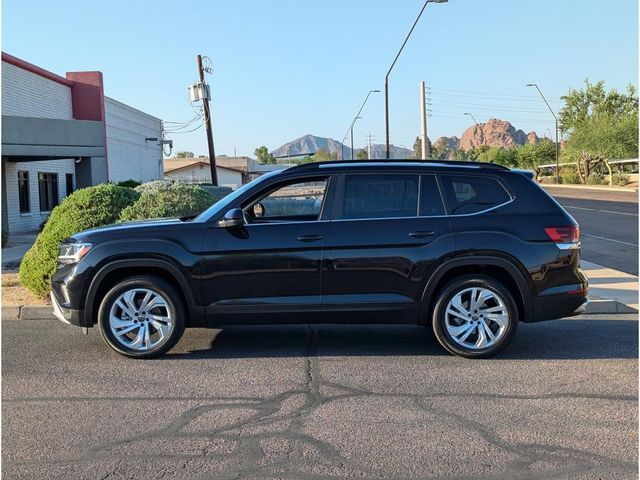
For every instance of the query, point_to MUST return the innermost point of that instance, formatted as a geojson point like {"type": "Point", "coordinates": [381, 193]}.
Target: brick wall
{"type": "Point", "coordinates": [27, 222]}
{"type": "Point", "coordinates": [26, 94]}
{"type": "Point", "coordinates": [130, 155]}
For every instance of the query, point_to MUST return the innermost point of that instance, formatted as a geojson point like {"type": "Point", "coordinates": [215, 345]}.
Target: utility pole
{"type": "Point", "coordinates": [557, 139]}
{"type": "Point", "coordinates": [207, 124]}
{"type": "Point", "coordinates": [369, 146]}
{"type": "Point", "coordinates": [423, 121]}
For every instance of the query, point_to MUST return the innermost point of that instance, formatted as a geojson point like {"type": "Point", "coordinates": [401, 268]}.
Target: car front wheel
{"type": "Point", "coordinates": [475, 317]}
{"type": "Point", "coordinates": [141, 317]}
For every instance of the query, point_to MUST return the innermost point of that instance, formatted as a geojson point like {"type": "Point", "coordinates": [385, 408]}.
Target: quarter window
{"type": "Point", "coordinates": [301, 201]}
{"type": "Point", "coordinates": [467, 195]}
{"type": "Point", "coordinates": [23, 192]}
{"type": "Point", "coordinates": [48, 189]}
{"type": "Point", "coordinates": [380, 196]}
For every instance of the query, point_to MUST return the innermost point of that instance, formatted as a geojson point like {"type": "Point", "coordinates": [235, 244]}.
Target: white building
{"type": "Point", "coordinates": [62, 133]}
{"type": "Point", "coordinates": [198, 170]}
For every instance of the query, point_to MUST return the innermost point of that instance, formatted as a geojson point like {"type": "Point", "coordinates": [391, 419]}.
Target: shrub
{"type": "Point", "coordinates": [620, 179]}
{"type": "Point", "coordinates": [569, 176]}
{"type": "Point", "coordinates": [153, 186]}
{"type": "Point", "coordinates": [217, 192]}
{"type": "Point", "coordinates": [596, 179]}
{"type": "Point", "coordinates": [83, 209]}
{"type": "Point", "coordinates": [167, 200]}
{"type": "Point", "coordinates": [129, 184]}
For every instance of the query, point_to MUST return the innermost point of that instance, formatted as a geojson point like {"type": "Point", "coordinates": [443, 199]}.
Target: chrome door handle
{"type": "Point", "coordinates": [309, 238]}
{"type": "Point", "coordinates": [421, 234]}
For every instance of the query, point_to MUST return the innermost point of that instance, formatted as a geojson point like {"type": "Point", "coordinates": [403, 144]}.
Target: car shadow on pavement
{"type": "Point", "coordinates": [599, 338]}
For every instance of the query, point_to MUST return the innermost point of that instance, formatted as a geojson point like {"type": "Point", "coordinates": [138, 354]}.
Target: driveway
{"type": "Point", "coordinates": [322, 402]}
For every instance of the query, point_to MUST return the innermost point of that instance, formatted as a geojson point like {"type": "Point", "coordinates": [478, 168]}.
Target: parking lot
{"type": "Point", "coordinates": [321, 402]}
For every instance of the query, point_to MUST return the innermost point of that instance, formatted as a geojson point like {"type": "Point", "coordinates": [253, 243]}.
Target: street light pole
{"type": "Point", "coordinates": [477, 125]}
{"type": "Point", "coordinates": [350, 129]}
{"type": "Point", "coordinates": [556, 119]}
{"type": "Point", "coordinates": [386, 78]}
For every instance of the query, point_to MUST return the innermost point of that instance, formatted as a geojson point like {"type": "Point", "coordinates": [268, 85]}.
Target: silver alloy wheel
{"type": "Point", "coordinates": [140, 319]}
{"type": "Point", "coordinates": [476, 318]}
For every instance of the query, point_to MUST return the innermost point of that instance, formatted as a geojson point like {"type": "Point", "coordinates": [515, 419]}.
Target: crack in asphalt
{"type": "Point", "coordinates": [248, 438]}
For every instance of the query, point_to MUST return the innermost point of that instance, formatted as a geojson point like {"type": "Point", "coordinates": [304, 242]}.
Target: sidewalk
{"type": "Point", "coordinates": [18, 246]}
{"type": "Point", "coordinates": [607, 285]}
{"type": "Point", "coordinates": [603, 188]}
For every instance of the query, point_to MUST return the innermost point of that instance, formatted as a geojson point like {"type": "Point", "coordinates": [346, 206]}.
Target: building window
{"type": "Point", "coordinates": [69, 180]}
{"type": "Point", "coordinates": [48, 187]}
{"type": "Point", "coordinates": [23, 191]}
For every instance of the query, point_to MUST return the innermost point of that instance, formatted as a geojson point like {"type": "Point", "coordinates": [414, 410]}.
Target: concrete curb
{"type": "Point", "coordinates": [45, 312]}
{"type": "Point", "coordinates": [590, 187]}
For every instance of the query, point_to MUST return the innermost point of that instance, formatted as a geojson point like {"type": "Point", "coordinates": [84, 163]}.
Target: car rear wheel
{"type": "Point", "coordinates": [475, 317]}
{"type": "Point", "coordinates": [141, 317]}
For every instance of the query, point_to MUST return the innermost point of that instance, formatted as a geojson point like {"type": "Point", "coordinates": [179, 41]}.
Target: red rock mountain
{"type": "Point", "coordinates": [495, 133]}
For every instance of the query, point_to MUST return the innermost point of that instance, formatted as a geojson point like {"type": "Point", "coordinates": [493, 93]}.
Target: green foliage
{"type": "Point", "coordinates": [620, 179]}
{"type": "Point", "coordinates": [596, 179]}
{"type": "Point", "coordinates": [153, 186]}
{"type": "Point", "coordinates": [168, 201]}
{"type": "Point", "coordinates": [323, 156]}
{"type": "Point", "coordinates": [128, 183]}
{"type": "Point", "coordinates": [83, 209]}
{"type": "Point", "coordinates": [362, 154]}
{"type": "Point", "coordinates": [184, 154]}
{"type": "Point", "coordinates": [263, 156]}
{"type": "Point", "coordinates": [594, 102]}
{"type": "Point", "coordinates": [569, 176]}
{"type": "Point", "coordinates": [606, 137]}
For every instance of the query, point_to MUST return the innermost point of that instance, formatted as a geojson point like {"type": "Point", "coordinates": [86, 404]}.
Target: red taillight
{"type": "Point", "coordinates": [563, 234]}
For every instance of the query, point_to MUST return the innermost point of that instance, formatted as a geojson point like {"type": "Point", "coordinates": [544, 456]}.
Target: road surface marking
{"type": "Point", "coordinates": [608, 239]}
{"type": "Point", "coordinates": [602, 211]}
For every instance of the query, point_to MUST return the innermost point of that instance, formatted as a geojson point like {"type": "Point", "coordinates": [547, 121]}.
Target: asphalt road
{"type": "Point", "coordinates": [322, 402]}
{"type": "Point", "coordinates": [608, 225]}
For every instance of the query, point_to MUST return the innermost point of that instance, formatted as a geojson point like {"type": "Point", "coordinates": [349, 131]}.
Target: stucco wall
{"type": "Point", "coordinates": [130, 156]}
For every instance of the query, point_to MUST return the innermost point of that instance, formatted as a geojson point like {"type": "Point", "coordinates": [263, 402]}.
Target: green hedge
{"type": "Point", "coordinates": [129, 184]}
{"type": "Point", "coordinates": [83, 209]}
{"type": "Point", "coordinates": [161, 200]}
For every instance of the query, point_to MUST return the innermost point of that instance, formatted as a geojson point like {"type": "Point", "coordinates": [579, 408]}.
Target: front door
{"type": "Point", "coordinates": [269, 269]}
{"type": "Point", "coordinates": [382, 244]}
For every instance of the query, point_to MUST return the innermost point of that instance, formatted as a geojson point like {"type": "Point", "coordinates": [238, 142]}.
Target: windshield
{"type": "Point", "coordinates": [221, 204]}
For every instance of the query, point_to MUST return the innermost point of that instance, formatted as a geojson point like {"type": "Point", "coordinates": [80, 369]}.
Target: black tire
{"type": "Point", "coordinates": [447, 294]}
{"type": "Point", "coordinates": [174, 305]}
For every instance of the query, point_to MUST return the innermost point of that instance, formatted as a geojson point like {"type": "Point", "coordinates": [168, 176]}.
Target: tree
{"type": "Point", "coordinates": [362, 154]}
{"type": "Point", "coordinates": [263, 156]}
{"type": "Point", "coordinates": [593, 102]}
{"type": "Point", "coordinates": [323, 156]}
{"type": "Point", "coordinates": [601, 125]}
{"type": "Point", "coordinates": [417, 148]}
{"type": "Point", "coordinates": [184, 154]}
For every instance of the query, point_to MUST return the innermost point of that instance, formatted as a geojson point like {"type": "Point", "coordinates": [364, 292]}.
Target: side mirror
{"type": "Point", "coordinates": [233, 218]}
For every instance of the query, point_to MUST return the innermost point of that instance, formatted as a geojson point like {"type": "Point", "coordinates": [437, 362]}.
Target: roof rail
{"type": "Point", "coordinates": [316, 165]}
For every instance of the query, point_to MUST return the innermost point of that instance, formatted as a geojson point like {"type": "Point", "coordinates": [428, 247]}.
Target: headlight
{"type": "Point", "coordinates": [69, 253]}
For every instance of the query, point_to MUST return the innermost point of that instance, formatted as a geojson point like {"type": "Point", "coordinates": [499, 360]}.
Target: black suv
{"type": "Point", "coordinates": [470, 248]}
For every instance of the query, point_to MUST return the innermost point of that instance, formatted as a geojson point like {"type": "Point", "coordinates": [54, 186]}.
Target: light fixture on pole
{"type": "Point", "coordinates": [556, 119]}
{"type": "Point", "coordinates": [386, 78]}
{"type": "Point", "coordinates": [350, 129]}
{"type": "Point", "coordinates": [481, 129]}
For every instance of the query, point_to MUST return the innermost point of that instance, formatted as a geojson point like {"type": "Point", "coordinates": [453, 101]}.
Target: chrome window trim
{"type": "Point", "coordinates": [568, 246]}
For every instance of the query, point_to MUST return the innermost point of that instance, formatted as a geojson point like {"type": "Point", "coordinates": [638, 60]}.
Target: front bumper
{"type": "Point", "coordinates": [67, 315]}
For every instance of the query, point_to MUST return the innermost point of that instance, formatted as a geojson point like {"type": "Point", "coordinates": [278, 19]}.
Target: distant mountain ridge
{"type": "Point", "coordinates": [310, 144]}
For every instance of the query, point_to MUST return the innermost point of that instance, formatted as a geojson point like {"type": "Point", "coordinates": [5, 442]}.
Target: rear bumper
{"type": "Point", "coordinates": [69, 316]}
{"type": "Point", "coordinates": [550, 307]}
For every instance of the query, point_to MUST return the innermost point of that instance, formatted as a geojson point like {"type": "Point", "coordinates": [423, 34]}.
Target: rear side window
{"type": "Point", "coordinates": [380, 196]}
{"type": "Point", "coordinates": [466, 194]}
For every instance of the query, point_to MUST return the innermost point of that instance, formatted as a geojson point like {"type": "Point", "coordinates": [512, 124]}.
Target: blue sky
{"type": "Point", "coordinates": [284, 68]}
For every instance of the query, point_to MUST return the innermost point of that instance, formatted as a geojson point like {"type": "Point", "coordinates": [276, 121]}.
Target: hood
{"type": "Point", "coordinates": [132, 226]}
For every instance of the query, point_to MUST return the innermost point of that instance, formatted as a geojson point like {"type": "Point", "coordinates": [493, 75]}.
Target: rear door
{"type": "Point", "coordinates": [384, 240]}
